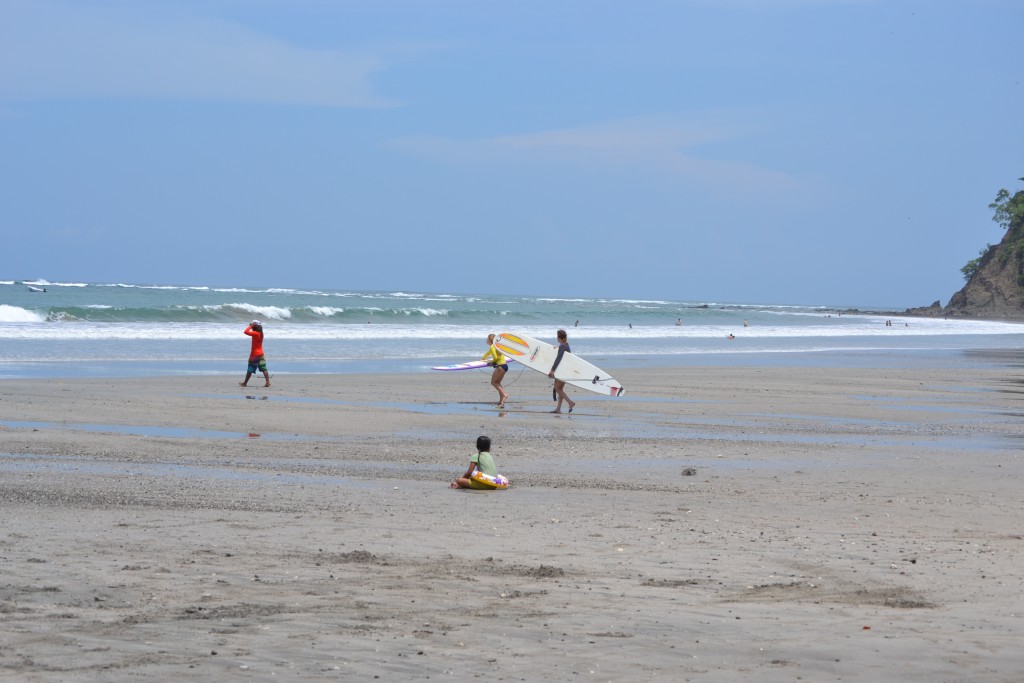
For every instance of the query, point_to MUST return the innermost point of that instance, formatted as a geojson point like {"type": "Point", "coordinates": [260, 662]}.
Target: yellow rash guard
{"type": "Point", "coordinates": [498, 356]}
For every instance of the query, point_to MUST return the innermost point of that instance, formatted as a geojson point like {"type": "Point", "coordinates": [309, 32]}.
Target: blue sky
{"type": "Point", "coordinates": [832, 152]}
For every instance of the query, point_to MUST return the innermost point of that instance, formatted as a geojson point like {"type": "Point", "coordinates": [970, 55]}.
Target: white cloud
{"type": "Point", "coordinates": [58, 50]}
{"type": "Point", "coordinates": [663, 145]}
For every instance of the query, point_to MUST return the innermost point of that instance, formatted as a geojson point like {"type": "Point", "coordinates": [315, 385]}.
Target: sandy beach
{"type": "Point", "coordinates": [714, 524]}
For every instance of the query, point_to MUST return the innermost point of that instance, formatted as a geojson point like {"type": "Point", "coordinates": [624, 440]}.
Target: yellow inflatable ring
{"type": "Point", "coordinates": [495, 482]}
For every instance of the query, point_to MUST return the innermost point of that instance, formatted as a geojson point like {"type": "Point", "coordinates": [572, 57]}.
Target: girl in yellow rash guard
{"type": "Point", "coordinates": [500, 365]}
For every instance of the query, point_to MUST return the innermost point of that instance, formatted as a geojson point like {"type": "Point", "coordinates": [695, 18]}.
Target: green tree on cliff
{"type": "Point", "coordinates": [1008, 212]}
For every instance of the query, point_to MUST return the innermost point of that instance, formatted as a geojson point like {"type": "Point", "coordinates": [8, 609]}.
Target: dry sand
{"type": "Point", "coordinates": [715, 524]}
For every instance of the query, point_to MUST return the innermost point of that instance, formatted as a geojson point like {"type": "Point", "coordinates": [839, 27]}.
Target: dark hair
{"type": "Point", "coordinates": [562, 335]}
{"type": "Point", "coordinates": [483, 443]}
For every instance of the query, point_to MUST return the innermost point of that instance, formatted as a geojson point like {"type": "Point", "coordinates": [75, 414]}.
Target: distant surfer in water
{"type": "Point", "coordinates": [257, 361]}
{"type": "Point", "coordinates": [563, 348]}
{"type": "Point", "coordinates": [500, 364]}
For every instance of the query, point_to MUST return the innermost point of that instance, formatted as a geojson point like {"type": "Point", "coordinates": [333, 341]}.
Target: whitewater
{"type": "Point", "coordinates": [125, 329]}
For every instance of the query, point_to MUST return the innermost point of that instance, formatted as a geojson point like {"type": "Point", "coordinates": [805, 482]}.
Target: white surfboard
{"type": "Point", "coordinates": [540, 356]}
{"type": "Point", "coordinates": [472, 365]}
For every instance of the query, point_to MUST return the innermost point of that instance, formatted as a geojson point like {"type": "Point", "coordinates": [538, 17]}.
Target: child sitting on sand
{"type": "Point", "coordinates": [481, 460]}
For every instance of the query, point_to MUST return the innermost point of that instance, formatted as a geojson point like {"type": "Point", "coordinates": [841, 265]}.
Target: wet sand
{"type": "Point", "coordinates": [714, 524]}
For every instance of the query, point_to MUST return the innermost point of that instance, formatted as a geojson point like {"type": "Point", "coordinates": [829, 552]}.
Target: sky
{"type": "Point", "coordinates": [819, 152]}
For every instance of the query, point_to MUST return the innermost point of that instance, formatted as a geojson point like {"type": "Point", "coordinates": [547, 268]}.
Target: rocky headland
{"type": "Point", "coordinates": [995, 280]}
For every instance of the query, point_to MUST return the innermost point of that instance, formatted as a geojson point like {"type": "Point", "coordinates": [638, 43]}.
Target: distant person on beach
{"type": "Point", "coordinates": [482, 461]}
{"type": "Point", "coordinates": [500, 364]}
{"type": "Point", "coordinates": [257, 361]}
{"type": "Point", "coordinates": [563, 348]}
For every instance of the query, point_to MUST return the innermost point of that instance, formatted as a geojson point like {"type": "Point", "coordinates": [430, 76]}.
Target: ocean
{"type": "Point", "coordinates": [75, 329]}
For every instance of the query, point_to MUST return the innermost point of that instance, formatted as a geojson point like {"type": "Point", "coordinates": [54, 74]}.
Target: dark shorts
{"type": "Point", "coordinates": [503, 366]}
{"type": "Point", "coordinates": [258, 364]}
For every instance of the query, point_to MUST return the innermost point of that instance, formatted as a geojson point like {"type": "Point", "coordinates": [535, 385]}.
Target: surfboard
{"type": "Point", "coordinates": [540, 356]}
{"type": "Point", "coordinates": [472, 365]}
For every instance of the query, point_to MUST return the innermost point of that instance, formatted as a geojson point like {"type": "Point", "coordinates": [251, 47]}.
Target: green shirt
{"type": "Point", "coordinates": [485, 463]}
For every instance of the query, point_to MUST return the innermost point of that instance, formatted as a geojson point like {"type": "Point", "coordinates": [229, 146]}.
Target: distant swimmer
{"type": "Point", "coordinates": [745, 323]}
{"type": "Point", "coordinates": [731, 336]}
{"type": "Point", "coordinates": [257, 361]}
{"type": "Point", "coordinates": [679, 321]}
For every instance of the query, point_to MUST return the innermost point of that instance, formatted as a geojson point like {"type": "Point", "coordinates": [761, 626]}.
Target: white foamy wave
{"type": "Point", "coordinates": [271, 290]}
{"type": "Point", "coordinates": [16, 314]}
{"type": "Point", "coordinates": [268, 312]}
{"type": "Point", "coordinates": [221, 331]}
{"type": "Point", "coordinates": [122, 285]}
{"type": "Point", "coordinates": [21, 323]}
{"type": "Point", "coordinates": [46, 283]}
{"type": "Point", "coordinates": [300, 292]}
{"type": "Point", "coordinates": [642, 303]}
{"type": "Point", "coordinates": [326, 311]}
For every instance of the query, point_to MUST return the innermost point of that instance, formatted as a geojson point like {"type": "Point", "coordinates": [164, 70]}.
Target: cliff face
{"type": "Point", "coordinates": [996, 288]}
{"type": "Point", "coordinates": [994, 291]}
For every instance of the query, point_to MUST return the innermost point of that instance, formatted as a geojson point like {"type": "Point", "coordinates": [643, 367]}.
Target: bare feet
{"type": "Point", "coordinates": [242, 384]}
{"type": "Point", "coordinates": [268, 384]}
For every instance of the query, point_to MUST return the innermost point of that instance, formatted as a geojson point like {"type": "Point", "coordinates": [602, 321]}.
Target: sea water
{"type": "Point", "coordinates": [124, 329]}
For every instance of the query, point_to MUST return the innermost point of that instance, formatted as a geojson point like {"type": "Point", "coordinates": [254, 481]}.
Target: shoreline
{"type": "Point", "coordinates": [715, 523]}
{"type": "Point", "coordinates": [992, 356]}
